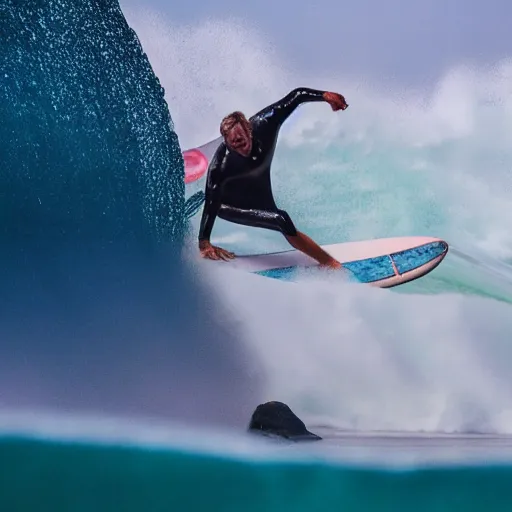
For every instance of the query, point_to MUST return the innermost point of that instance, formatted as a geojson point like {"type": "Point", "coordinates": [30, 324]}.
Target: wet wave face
{"type": "Point", "coordinates": [97, 310]}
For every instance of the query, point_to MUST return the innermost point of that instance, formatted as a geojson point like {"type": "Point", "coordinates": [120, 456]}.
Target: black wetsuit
{"type": "Point", "coordinates": [238, 188]}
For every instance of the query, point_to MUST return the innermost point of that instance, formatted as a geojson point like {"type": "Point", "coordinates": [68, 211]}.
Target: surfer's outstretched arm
{"type": "Point", "coordinates": [282, 109]}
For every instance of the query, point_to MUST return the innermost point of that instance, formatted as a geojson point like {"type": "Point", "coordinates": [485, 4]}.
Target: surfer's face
{"type": "Point", "coordinates": [239, 139]}
{"type": "Point", "coordinates": [236, 131]}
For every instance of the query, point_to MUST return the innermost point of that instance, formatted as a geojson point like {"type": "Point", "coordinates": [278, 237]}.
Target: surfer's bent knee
{"type": "Point", "coordinates": [286, 225]}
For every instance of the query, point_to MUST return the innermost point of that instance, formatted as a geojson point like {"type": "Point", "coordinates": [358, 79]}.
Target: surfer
{"type": "Point", "coordinates": [238, 187]}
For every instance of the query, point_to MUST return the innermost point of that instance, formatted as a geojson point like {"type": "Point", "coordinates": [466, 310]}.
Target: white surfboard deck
{"type": "Point", "coordinates": [383, 262]}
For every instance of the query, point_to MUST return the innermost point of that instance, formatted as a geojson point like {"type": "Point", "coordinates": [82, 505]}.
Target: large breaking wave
{"type": "Point", "coordinates": [97, 310]}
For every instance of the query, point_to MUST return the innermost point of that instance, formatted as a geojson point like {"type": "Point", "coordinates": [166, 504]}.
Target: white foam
{"type": "Point", "coordinates": [371, 359]}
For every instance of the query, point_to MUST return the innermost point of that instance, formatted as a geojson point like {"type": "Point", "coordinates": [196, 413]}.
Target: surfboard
{"type": "Point", "coordinates": [382, 262]}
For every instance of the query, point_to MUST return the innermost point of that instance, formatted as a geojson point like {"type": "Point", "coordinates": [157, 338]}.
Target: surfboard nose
{"type": "Point", "coordinates": [417, 257]}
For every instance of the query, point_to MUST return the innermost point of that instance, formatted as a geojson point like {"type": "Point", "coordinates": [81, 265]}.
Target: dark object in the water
{"type": "Point", "coordinates": [277, 419]}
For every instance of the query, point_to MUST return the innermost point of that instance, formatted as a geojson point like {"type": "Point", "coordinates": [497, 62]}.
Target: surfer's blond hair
{"type": "Point", "coordinates": [231, 120]}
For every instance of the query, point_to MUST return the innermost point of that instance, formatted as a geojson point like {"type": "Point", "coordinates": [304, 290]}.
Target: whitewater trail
{"type": "Point", "coordinates": [370, 359]}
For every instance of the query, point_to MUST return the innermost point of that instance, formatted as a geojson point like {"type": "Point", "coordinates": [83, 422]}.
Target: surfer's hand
{"type": "Point", "coordinates": [335, 100]}
{"type": "Point", "coordinates": [212, 252]}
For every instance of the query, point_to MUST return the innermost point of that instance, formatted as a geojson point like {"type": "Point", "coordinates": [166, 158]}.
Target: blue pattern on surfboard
{"type": "Point", "coordinates": [284, 273]}
{"type": "Point", "coordinates": [410, 259]}
{"type": "Point", "coordinates": [375, 269]}
{"type": "Point", "coordinates": [371, 269]}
